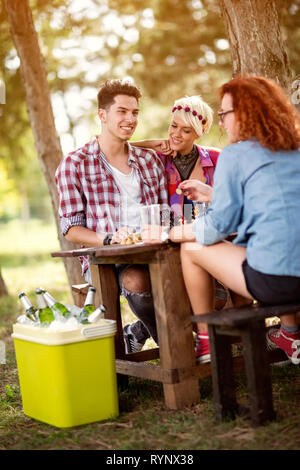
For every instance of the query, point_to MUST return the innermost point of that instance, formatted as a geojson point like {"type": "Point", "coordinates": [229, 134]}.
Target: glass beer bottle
{"type": "Point", "coordinates": [57, 307]}
{"type": "Point", "coordinates": [97, 314]}
{"type": "Point", "coordinates": [30, 310]}
{"type": "Point", "coordinates": [45, 313]}
{"type": "Point", "coordinates": [89, 306]}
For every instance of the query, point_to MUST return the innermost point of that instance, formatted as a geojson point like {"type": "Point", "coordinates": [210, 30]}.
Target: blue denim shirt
{"type": "Point", "coordinates": [257, 194]}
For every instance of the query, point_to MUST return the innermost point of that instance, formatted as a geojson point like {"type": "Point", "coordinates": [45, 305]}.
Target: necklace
{"type": "Point", "coordinates": [186, 163]}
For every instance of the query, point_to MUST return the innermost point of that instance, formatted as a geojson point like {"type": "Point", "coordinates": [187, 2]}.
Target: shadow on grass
{"type": "Point", "coordinates": [14, 261]}
{"type": "Point", "coordinates": [138, 391]}
{"type": "Point", "coordinates": [143, 392]}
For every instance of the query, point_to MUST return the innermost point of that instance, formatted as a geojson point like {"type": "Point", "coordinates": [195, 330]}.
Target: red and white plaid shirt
{"type": "Point", "coordinates": [89, 195]}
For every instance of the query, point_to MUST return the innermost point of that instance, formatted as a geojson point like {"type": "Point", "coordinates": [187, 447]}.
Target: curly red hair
{"type": "Point", "coordinates": [264, 112]}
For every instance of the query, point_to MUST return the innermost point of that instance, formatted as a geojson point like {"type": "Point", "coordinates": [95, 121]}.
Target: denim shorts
{"type": "Point", "coordinates": [271, 289]}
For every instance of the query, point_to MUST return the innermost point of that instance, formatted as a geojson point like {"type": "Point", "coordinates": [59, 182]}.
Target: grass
{"type": "Point", "coordinates": [144, 422]}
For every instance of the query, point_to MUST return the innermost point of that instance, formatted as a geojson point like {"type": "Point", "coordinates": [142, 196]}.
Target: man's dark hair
{"type": "Point", "coordinates": [112, 88]}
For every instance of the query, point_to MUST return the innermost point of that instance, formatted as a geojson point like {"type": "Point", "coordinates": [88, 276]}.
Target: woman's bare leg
{"type": "Point", "coordinates": [223, 261]}
{"type": "Point", "coordinates": [200, 287]}
{"type": "Point", "coordinates": [200, 264]}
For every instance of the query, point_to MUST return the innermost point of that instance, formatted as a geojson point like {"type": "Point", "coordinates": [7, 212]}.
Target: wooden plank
{"type": "Point", "coordinates": [258, 373]}
{"type": "Point", "coordinates": [172, 310]}
{"type": "Point", "coordinates": [155, 372]}
{"type": "Point", "coordinates": [146, 355]}
{"type": "Point", "coordinates": [199, 371]}
{"type": "Point", "coordinates": [73, 253]}
{"type": "Point", "coordinates": [105, 280]}
{"type": "Point", "coordinates": [239, 315]}
{"type": "Point", "coordinates": [169, 376]}
{"type": "Point", "coordinates": [127, 258]}
{"type": "Point", "coordinates": [120, 250]}
{"type": "Point", "coordinates": [146, 371]}
{"type": "Point", "coordinates": [115, 250]}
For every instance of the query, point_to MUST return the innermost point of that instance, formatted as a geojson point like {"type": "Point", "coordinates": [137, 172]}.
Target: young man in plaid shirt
{"type": "Point", "coordinates": [102, 186]}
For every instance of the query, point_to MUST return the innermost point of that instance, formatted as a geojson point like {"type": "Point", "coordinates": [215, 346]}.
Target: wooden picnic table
{"type": "Point", "coordinates": [177, 369]}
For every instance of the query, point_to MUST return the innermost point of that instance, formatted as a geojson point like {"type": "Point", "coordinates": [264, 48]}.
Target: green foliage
{"type": "Point", "coordinates": [11, 393]}
{"type": "Point", "coordinates": [170, 48]}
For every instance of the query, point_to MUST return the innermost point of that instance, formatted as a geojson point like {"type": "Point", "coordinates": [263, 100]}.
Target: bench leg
{"type": "Point", "coordinates": [258, 373]}
{"type": "Point", "coordinates": [222, 375]}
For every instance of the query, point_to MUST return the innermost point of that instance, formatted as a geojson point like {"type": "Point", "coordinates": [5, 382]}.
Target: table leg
{"type": "Point", "coordinates": [172, 311]}
{"type": "Point", "coordinates": [105, 281]}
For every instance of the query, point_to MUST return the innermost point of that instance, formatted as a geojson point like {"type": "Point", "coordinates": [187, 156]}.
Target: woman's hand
{"type": "Point", "coordinates": [182, 233]}
{"type": "Point", "coordinates": [196, 190]}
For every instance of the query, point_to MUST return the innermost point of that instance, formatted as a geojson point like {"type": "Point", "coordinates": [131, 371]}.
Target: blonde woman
{"type": "Point", "coordinates": [191, 117]}
{"type": "Point", "coordinates": [185, 161]}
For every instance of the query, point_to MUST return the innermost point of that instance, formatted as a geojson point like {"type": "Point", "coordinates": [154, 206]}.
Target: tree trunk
{"type": "Point", "coordinates": [3, 289]}
{"type": "Point", "coordinates": [40, 111]}
{"type": "Point", "coordinates": [255, 39]}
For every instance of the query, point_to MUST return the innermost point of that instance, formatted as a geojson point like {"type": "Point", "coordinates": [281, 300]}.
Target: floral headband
{"type": "Point", "coordinates": [187, 109]}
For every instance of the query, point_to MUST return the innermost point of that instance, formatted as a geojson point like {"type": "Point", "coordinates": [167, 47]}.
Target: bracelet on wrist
{"type": "Point", "coordinates": [107, 239]}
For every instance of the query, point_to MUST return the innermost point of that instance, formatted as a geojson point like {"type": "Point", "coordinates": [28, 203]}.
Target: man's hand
{"type": "Point", "coordinates": [151, 233]}
{"type": "Point", "coordinates": [196, 190]}
{"type": "Point", "coordinates": [161, 146]}
{"type": "Point", "coordinates": [118, 236]}
{"type": "Point", "coordinates": [158, 145]}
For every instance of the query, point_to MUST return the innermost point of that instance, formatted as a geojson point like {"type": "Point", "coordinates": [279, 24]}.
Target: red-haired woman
{"type": "Point", "coordinates": [256, 194]}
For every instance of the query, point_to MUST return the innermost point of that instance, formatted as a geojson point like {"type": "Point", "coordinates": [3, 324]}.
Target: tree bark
{"type": "Point", "coordinates": [255, 39]}
{"type": "Point", "coordinates": [3, 288]}
{"type": "Point", "coordinates": [40, 111]}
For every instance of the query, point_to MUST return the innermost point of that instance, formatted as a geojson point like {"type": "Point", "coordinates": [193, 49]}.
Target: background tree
{"type": "Point", "coordinates": [255, 39]}
{"type": "Point", "coordinates": [39, 107]}
{"type": "Point", "coordinates": [3, 289]}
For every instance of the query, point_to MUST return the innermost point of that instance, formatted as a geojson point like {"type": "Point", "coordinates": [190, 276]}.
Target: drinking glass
{"type": "Point", "coordinates": [150, 215]}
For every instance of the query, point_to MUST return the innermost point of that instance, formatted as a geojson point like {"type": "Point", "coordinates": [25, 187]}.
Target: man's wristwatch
{"type": "Point", "coordinates": [164, 237]}
{"type": "Point", "coordinates": [107, 240]}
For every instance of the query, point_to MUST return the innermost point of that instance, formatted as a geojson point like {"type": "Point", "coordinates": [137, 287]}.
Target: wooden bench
{"type": "Point", "coordinates": [248, 324]}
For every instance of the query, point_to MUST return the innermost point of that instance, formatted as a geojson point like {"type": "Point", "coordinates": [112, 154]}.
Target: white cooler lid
{"type": "Point", "coordinates": [36, 334]}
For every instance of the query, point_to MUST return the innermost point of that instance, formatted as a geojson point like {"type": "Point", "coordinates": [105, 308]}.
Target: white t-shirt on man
{"type": "Point", "coordinates": [131, 200]}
